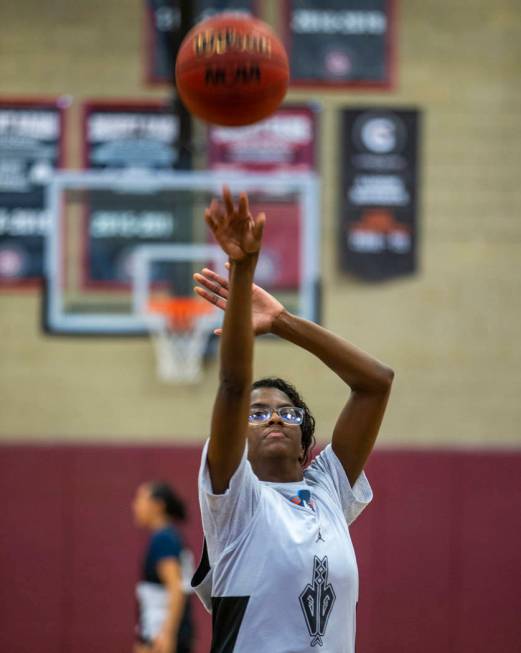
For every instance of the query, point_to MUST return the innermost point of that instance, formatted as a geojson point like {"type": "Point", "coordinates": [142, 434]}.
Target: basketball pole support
{"type": "Point", "coordinates": [184, 144]}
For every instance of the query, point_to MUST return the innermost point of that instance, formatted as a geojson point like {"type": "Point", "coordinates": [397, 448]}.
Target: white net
{"type": "Point", "coordinates": [180, 351]}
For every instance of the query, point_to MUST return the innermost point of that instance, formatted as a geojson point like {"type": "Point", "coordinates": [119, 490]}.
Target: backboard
{"type": "Point", "coordinates": [105, 226]}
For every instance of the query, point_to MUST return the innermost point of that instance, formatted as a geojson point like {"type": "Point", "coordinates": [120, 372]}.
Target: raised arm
{"type": "Point", "coordinates": [369, 380]}
{"type": "Point", "coordinates": [240, 237]}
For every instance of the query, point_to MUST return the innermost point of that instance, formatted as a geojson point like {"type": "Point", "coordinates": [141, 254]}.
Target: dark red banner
{"type": "Point", "coordinates": [286, 141]}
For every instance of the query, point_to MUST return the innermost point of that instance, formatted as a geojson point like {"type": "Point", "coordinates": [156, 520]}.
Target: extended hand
{"type": "Point", "coordinates": [265, 308]}
{"type": "Point", "coordinates": [236, 231]}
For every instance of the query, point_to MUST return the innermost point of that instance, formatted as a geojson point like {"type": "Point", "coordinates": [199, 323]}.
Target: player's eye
{"type": "Point", "coordinates": [292, 414]}
{"type": "Point", "coordinates": [259, 415]}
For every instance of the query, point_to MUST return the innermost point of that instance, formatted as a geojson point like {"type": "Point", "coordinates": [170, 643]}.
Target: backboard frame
{"type": "Point", "coordinates": [55, 319]}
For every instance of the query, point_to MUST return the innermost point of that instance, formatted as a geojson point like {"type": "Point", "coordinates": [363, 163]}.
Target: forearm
{"type": "Point", "coordinates": [176, 606]}
{"type": "Point", "coordinates": [236, 355]}
{"type": "Point", "coordinates": [356, 368]}
{"type": "Point", "coordinates": [230, 411]}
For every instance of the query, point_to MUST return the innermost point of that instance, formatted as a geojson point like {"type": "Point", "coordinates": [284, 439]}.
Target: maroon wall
{"type": "Point", "coordinates": [438, 550]}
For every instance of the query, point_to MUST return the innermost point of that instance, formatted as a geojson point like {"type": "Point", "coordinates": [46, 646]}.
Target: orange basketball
{"type": "Point", "coordinates": [231, 70]}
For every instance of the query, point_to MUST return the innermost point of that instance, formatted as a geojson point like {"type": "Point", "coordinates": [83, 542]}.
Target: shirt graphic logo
{"type": "Point", "coordinates": [317, 601]}
{"type": "Point", "coordinates": [303, 498]}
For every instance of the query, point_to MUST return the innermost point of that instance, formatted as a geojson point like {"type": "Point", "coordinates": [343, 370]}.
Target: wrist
{"type": "Point", "coordinates": [246, 264]}
{"type": "Point", "coordinates": [247, 259]}
{"type": "Point", "coordinates": [281, 322]}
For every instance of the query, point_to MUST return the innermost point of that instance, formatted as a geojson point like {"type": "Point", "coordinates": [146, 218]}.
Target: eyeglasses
{"type": "Point", "coordinates": [288, 414]}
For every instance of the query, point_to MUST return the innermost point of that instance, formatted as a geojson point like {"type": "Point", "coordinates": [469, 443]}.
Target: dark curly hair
{"type": "Point", "coordinates": [308, 425]}
{"type": "Point", "coordinates": [173, 506]}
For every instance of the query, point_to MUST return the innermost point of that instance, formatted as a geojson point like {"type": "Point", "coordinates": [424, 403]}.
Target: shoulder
{"type": "Point", "coordinates": [326, 471]}
{"type": "Point", "coordinates": [166, 542]}
{"type": "Point", "coordinates": [324, 463]}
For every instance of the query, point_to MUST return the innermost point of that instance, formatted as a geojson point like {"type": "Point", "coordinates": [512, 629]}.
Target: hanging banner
{"type": "Point", "coordinates": [31, 148]}
{"type": "Point", "coordinates": [126, 136]}
{"type": "Point", "coordinates": [379, 192]}
{"type": "Point", "coordinates": [339, 43]}
{"type": "Point", "coordinates": [121, 136]}
{"type": "Point", "coordinates": [163, 32]}
{"type": "Point", "coordinates": [285, 142]}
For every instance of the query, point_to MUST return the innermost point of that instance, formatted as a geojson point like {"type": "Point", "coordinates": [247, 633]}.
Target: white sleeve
{"type": "Point", "coordinates": [225, 516]}
{"type": "Point", "coordinates": [328, 472]}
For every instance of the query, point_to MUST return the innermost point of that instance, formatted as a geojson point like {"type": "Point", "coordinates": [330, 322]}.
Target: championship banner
{"type": "Point", "coordinates": [126, 135]}
{"type": "Point", "coordinates": [379, 190]}
{"type": "Point", "coordinates": [285, 142]}
{"type": "Point", "coordinates": [340, 43]}
{"type": "Point", "coordinates": [139, 137]}
{"type": "Point", "coordinates": [31, 148]}
{"type": "Point", "coordinates": [163, 31]}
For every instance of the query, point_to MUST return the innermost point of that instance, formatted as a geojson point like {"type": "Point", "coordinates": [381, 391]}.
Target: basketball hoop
{"type": "Point", "coordinates": [180, 328]}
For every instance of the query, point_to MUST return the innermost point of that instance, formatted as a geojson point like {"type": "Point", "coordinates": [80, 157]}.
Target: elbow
{"type": "Point", "coordinates": [376, 382]}
{"type": "Point", "coordinates": [385, 378]}
{"type": "Point", "coordinates": [380, 381]}
{"type": "Point", "coordinates": [388, 374]}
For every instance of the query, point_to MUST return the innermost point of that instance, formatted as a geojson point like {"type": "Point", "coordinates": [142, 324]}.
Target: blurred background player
{"type": "Point", "coordinates": [165, 620]}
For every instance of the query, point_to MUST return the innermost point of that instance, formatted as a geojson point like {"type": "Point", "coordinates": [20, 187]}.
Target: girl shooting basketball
{"type": "Point", "coordinates": [279, 571]}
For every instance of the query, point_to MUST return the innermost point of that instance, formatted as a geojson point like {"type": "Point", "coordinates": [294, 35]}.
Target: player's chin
{"type": "Point", "coordinates": [282, 445]}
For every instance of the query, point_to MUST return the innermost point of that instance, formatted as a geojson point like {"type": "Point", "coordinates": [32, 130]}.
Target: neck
{"type": "Point", "coordinates": [159, 522]}
{"type": "Point", "coordinates": [276, 470]}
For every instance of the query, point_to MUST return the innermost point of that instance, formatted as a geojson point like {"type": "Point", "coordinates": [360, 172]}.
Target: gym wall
{"type": "Point", "coordinates": [450, 332]}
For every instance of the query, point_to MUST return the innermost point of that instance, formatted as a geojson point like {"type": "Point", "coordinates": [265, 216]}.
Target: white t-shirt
{"type": "Point", "coordinates": [283, 573]}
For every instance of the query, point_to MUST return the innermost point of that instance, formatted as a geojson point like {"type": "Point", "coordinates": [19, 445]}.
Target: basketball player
{"type": "Point", "coordinates": [165, 622]}
{"type": "Point", "coordinates": [278, 571]}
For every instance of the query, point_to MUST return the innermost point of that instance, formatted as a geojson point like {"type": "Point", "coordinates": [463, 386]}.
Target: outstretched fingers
{"type": "Point", "coordinates": [212, 215]}
{"type": "Point", "coordinates": [212, 281]}
{"type": "Point", "coordinates": [228, 200]}
{"type": "Point", "coordinates": [244, 207]}
{"type": "Point", "coordinates": [210, 297]}
{"type": "Point", "coordinates": [211, 274]}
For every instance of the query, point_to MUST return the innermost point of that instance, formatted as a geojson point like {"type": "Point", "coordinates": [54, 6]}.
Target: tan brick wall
{"type": "Point", "coordinates": [451, 332]}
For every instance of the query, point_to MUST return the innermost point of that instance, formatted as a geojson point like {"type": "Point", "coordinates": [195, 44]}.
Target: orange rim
{"type": "Point", "coordinates": [180, 312]}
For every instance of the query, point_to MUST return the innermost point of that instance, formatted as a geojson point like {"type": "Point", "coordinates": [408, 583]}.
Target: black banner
{"type": "Point", "coordinates": [123, 136]}
{"type": "Point", "coordinates": [31, 146]}
{"type": "Point", "coordinates": [378, 207]}
{"type": "Point", "coordinates": [117, 223]}
{"type": "Point", "coordinates": [164, 34]}
{"type": "Point", "coordinates": [129, 136]}
{"type": "Point", "coordinates": [339, 42]}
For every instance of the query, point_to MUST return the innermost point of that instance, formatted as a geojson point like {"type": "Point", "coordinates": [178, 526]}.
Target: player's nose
{"type": "Point", "coordinates": [275, 418]}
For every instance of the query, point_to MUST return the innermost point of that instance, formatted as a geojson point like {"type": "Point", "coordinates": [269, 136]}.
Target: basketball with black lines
{"type": "Point", "coordinates": [231, 70]}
